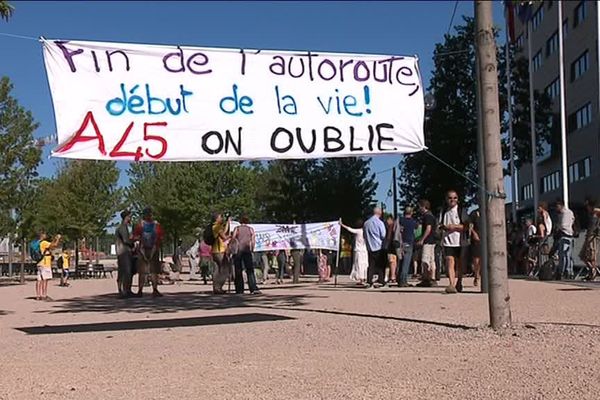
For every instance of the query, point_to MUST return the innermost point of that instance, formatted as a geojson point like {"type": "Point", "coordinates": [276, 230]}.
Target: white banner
{"type": "Point", "coordinates": [118, 101]}
{"type": "Point", "coordinates": [320, 235]}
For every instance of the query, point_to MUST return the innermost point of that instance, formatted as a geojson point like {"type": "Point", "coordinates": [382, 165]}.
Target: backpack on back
{"type": "Point", "coordinates": [148, 234]}
{"type": "Point", "coordinates": [208, 235]}
{"type": "Point", "coordinates": [35, 251]}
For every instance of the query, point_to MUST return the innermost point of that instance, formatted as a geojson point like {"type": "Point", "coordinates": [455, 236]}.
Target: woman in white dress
{"type": "Point", "coordinates": [360, 263]}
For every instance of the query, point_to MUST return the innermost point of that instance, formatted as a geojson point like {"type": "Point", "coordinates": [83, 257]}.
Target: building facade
{"type": "Point", "coordinates": [582, 97]}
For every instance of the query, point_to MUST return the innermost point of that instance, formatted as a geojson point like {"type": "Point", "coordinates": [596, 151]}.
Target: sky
{"type": "Point", "coordinates": [392, 27]}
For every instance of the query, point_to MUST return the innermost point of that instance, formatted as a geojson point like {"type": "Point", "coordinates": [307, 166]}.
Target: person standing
{"type": "Point", "coordinates": [564, 237]}
{"type": "Point", "coordinates": [264, 262]}
{"type": "Point", "coordinates": [246, 239]}
{"type": "Point", "coordinates": [193, 254]}
{"type": "Point", "coordinates": [222, 271]}
{"type": "Point", "coordinates": [281, 260]}
{"type": "Point", "coordinates": [206, 262]}
{"type": "Point", "coordinates": [178, 260]}
{"type": "Point", "coordinates": [360, 262]}
{"type": "Point", "coordinates": [150, 235]}
{"type": "Point", "coordinates": [124, 256]}
{"type": "Point", "coordinates": [374, 231]}
{"type": "Point", "coordinates": [345, 256]}
{"type": "Point", "coordinates": [474, 235]}
{"type": "Point", "coordinates": [393, 256]}
{"type": "Point", "coordinates": [44, 266]}
{"type": "Point", "coordinates": [65, 260]}
{"type": "Point", "coordinates": [427, 242]}
{"type": "Point", "coordinates": [545, 226]}
{"type": "Point", "coordinates": [452, 227]}
{"type": "Point", "coordinates": [589, 250]}
{"type": "Point", "coordinates": [408, 225]}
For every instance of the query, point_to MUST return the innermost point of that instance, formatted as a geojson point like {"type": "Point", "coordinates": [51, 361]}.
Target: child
{"type": "Point", "coordinates": [324, 268]}
{"type": "Point", "coordinates": [66, 260]}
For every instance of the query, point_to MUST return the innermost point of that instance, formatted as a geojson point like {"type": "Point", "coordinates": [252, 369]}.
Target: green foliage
{"type": "Point", "coordinates": [183, 195]}
{"type": "Point", "coordinates": [81, 201]}
{"type": "Point", "coordinates": [19, 159]}
{"type": "Point", "coordinates": [6, 10]}
{"type": "Point", "coordinates": [311, 191]}
{"type": "Point", "coordinates": [451, 127]}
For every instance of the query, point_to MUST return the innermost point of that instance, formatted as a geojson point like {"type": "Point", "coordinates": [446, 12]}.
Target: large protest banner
{"type": "Point", "coordinates": [320, 235]}
{"type": "Point", "coordinates": [118, 101]}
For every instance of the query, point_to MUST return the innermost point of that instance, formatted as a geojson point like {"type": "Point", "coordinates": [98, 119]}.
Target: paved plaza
{"type": "Point", "coordinates": [306, 341]}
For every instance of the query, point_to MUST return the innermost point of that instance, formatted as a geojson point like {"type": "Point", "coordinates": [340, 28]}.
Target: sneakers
{"type": "Point", "coordinates": [426, 283]}
{"type": "Point", "coordinates": [405, 284]}
{"type": "Point", "coordinates": [451, 289]}
{"type": "Point", "coordinates": [256, 292]}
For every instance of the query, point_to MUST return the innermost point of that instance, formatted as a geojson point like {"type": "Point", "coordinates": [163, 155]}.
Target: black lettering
{"type": "Point", "coordinates": [290, 67]}
{"type": "Point", "coordinates": [229, 141]}
{"type": "Point", "coordinates": [327, 139]}
{"type": "Point", "coordinates": [179, 54]}
{"type": "Point", "coordinates": [280, 64]}
{"type": "Point", "coordinates": [274, 140]}
{"type": "Point", "coordinates": [385, 72]}
{"type": "Point", "coordinates": [310, 71]}
{"type": "Point", "coordinates": [205, 145]}
{"type": "Point", "coordinates": [371, 137]}
{"type": "Point", "coordinates": [304, 148]}
{"type": "Point", "coordinates": [96, 65]}
{"type": "Point", "coordinates": [342, 65]}
{"type": "Point", "coordinates": [243, 67]}
{"type": "Point", "coordinates": [352, 147]}
{"type": "Point", "coordinates": [333, 71]}
{"type": "Point", "coordinates": [357, 76]}
{"type": "Point", "coordinates": [192, 61]}
{"type": "Point", "coordinates": [382, 138]}
{"type": "Point", "coordinates": [109, 55]}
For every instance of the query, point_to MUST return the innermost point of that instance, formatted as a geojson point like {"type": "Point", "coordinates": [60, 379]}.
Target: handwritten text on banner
{"type": "Point", "coordinates": [172, 103]}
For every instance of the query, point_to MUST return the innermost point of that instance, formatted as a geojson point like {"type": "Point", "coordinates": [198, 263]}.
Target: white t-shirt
{"type": "Point", "coordinates": [531, 231]}
{"type": "Point", "coordinates": [451, 239]}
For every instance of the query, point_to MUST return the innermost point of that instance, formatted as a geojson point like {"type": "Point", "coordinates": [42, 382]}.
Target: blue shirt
{"type": "Point", "coordinates": [408, 230]}
{"type": "Point", "coordinates": [374, 230]}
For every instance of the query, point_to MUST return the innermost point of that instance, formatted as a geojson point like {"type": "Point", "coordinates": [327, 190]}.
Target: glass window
{"type": "Point", "coordinates": [553, 89]}
{"type": "Point", "coordinates": [537, 18]}
{"type": "Point", "coordinates": [537, 60]}
{"type": "Point", "coordinates": [552, 44]}
{"type": "Point", "coordinates": [579, 14]}
{"type": "Point", "coordinates": [580, 66]}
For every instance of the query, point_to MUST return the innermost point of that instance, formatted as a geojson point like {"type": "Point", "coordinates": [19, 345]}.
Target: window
{"type": "Point", "coordinates": [553, 89]}
{"type": "Point", "coordinates": [565, 28]}
{"type": "Point", "coordinates": [537, 18]}
{"type": "Point", "coordinates": [579, 66]}
{"type": "Point", "coordinates": [580, 170]}
{"type": "Point", "coordinates": [537, 60]}
{"type": "Point", "coordinates": [579, 14]}
{"type": "Point", "coordinates": [527, 191]}
{"type": "Point", "coordinates": [580, 118]}
{"type": "Point", "coordinates": [551, 182]}
{"type": "Point", "coordinates": [520, 41]}
{"type": "Point", "coordinates": [552, 44]}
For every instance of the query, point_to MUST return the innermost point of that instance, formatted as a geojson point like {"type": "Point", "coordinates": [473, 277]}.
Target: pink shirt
{"type": "Point", "coordinates": [205, 250]}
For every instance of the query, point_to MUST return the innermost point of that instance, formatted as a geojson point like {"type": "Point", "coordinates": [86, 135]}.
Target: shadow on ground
{"type": "Point", "coordinates": [172, 302]}
{"type": "Point", "coordinates": [152, 324]}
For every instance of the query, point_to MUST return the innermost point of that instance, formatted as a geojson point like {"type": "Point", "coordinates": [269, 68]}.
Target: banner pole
{"type": "Point", "coordinates": [337, 258]}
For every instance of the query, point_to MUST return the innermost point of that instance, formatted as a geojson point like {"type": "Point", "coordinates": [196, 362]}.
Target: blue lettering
{"type": "Point", "coordinates": [153, 105]}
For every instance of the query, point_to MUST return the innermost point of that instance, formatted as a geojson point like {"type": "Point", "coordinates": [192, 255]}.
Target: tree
{"type": "Point", "coordinates": [6, 10]}
{"type": "Point", "coordinates": [451, 127]}
{"type": "Point", "coordinates": [183, 195]}
{"type": "Point", "coordinates": [313, 190]}
{"type": "Point", "coordinates": [20, 157]}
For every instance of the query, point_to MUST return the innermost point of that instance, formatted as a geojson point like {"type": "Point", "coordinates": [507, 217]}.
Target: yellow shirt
{"type": "Point", "coordinates": [346, 250]}
{"type": "Point", "coordinates": [47, 259]}
{"type": "Point", "coordinates": [219, 245]}
{"type": "Point", "coordinates": [66, 259]}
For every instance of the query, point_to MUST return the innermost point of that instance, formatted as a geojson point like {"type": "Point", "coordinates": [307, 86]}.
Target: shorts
{"type": "Point", "coordinates": [392, 258]}
{"type": "Point", "coordinates": [428, 257]}
{"type": "Point", "coordinates": [65, 273]}
{"type": "Point", "coordinates": [454, 252]}
{"type": "Point", "coordinates": [148, 265]}
{"type": "Point", "coordinates": [44, 274]}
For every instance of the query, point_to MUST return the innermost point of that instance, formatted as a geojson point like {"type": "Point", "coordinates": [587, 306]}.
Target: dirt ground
{"type": "Point", "coordinates": [308, 341]}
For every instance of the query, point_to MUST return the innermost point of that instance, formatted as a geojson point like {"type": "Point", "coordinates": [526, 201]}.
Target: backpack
{"type": "Point", "coordinates": [208, 236]}
{"type": "Point", "coordinates": [148, 234]}
{"type": "Point", "coordinates": [35, 251]}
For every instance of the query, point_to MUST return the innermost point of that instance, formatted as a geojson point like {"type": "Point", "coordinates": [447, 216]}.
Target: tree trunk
{"type": "Point", "coordinates": [499, 299]}
{"type": "Point", "coordinates": [23, 249]}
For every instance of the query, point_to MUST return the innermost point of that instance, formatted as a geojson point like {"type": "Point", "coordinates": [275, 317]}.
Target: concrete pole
{"type": "Point", "coordinates": [499, 298]}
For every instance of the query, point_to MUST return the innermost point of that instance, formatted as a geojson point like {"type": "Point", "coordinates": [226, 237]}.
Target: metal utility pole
{"type": "Point", "coordinates": [395, 192]}
{"type": "Point", "coordinates": [499, 298]}
{"type": "Point", "coordinates": [534, 163]}
{"type": "Point", "coordinates": [563, 113]}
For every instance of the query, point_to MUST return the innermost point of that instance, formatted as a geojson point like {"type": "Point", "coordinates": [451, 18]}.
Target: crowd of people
{"type": "Point", "coordinates": [385, 247]}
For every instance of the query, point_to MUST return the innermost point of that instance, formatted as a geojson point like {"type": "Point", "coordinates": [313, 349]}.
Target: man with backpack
{"type": "Point", "coordinates": [41, 253]}
{"type": "Point", "coordinates": [215, 236]}
{"type": "Point", "coordinates": [150, 235]}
